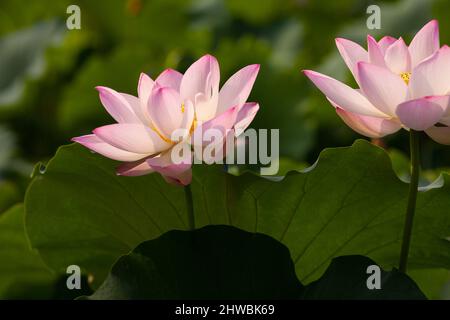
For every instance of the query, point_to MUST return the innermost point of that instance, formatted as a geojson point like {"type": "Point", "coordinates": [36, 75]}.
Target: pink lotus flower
{"type": "Point", "coordinates": [400, 85]}
{"type": "Point", "coordinates": [142, 136]}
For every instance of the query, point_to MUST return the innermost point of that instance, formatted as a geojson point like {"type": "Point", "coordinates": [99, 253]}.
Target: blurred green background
{"type": "Point", "coordinates": [48, 73]}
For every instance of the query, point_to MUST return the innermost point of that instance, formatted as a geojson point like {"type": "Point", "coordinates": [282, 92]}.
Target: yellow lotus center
{"type": "Point", "coordinates": [406, 76]}
{"type": "Point", "coordinates": [182, 108]}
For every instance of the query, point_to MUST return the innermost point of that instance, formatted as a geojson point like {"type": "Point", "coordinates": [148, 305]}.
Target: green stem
{"type": "Point", "coordinates": [189, 206]}
{"type": "Point", "coordinates": [414, 140]}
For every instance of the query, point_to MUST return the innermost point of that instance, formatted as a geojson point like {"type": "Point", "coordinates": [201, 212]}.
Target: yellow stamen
{"type": "Point", "coordinates": [182, 108]}
{"type": "Point", "coordinates": [194, 125]}
{"type": "Point", "coordinates": [406, 76]}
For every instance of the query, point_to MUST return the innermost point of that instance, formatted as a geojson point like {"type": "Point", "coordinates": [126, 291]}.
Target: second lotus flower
{"type": "Point", "coordinates": [399, 85]}
{"type": "Point", "coordinates": [142, 136]}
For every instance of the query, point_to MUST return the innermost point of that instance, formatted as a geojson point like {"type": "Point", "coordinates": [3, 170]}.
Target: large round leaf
{"type": "Point", "coordinates": [223, 262]}
{"type": "Point", "coordinates": [347, 277]}
{"type": "Point", "coordinates": [351, 202]}
{"type": "Point", "coordinates": [214, 262]}
{"type": "Point", "coordinates": [91, 215]}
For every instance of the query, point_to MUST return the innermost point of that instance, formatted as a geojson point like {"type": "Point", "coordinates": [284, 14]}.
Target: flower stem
{"type": "Point", "coordinates": [414, 140]}
{"type": "Point", "coordinates": [189, 206]}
